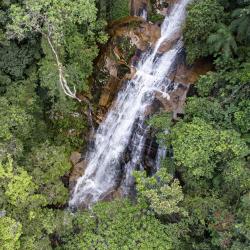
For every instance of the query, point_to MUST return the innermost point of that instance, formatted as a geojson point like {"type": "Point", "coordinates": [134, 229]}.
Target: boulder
{"type": "Point", "coordinates": [168, 44]}
{"type": "Point", "coordinates": [175, 101]}
{"type": "Point", "coordinates": [78, 168]}
{"type": "Point", "coordinates": [75, 157]}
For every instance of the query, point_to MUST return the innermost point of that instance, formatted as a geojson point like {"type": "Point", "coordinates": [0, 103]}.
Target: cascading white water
{"type": "Point", "coordinates": [137, 144]}
{"type": "Point", "coordinates": [161, 155]}
{"type": "Point", "coordinates": [114, 134]}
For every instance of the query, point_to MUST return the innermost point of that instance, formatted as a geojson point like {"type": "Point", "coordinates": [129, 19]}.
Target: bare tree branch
{"type": "Point", "coordinates": [62, 79]}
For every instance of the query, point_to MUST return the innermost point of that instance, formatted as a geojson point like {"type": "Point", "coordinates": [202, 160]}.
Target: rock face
{"type": "Point", "coordinates": [129, 38]}
{"type": "Point", "coordinates": [190, 74]}
{"type": "Point", "coordinates": [78, 168]}
{"type": "Point", "coordinates": [175, 101]}
{"type": "Point", "coordinates": [181, 78]}
{"type": "Point", "coordinates": [145, 35]}
{"type": "Point", "coordinates": [109, 91]}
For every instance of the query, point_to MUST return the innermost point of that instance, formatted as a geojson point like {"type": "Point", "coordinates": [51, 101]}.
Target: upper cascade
{"type": "Point", "coordinates": [103, 172]}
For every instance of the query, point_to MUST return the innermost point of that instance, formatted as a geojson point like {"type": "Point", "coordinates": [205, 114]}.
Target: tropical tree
{"type": "Point", "coordinates": [223, 42]}
{"type": "Point", "coordinates": [57, 21]}
{"type": "Point", "coordinates": [241, 21]}
{"type": "Point", "coordinates": [119, 225]}
{"type": "Point", "coordinates": [161, 192]}
{"type": "Point", "coordinates": [10, 232]}
{"type": "Point", "coordinates": [202, 20]}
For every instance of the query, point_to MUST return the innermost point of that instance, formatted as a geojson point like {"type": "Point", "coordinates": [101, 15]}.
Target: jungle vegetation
{"type": "Point", "coordinates": [202, 201]}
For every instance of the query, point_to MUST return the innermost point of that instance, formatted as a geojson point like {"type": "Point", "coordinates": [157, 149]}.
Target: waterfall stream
{"type": "Point", "coordinates": [124, 124]}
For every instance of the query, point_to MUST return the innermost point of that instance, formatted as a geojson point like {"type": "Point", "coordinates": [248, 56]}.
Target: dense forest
{"type": "Point", "coordinates": [200, 197]}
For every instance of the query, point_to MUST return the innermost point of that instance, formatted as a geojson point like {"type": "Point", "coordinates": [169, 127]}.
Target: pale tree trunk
{"type": "Point", "coordinates": [64, 84]}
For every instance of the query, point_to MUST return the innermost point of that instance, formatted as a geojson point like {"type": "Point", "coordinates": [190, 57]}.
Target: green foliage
{"type": "Point", "coordinates": [205, 84]}
{"type": "Point", "coordinates": [193, 144]}
{"type": "Point", "coordinates": [19, 188]}
{"type": "Point", "coordinates": [161, 192]}
{"type": "Point", "coordinates": [199, 147]}
{"type": "Point", "coordinates": [242, 116]}
{"type": "Point", "coordinates": [119, 225]}
{"type": "Point", "coordinates": [241, 21]}
{"type": "Point", "coordinates": [68, 123]}
{"type": "Point", "coordinates": [154, 17]}
{"type": "Point", "coordinates": [70, 31]}
{"type": "Point", "coordinates": [223, 42]}
{"type": "Point", "coordinates": [211, 146]}
{"type": "Point", "coordinates": [202, 20]}
{"type": "Point", "coordinates": [48, 164]}
{"type": "Point", "coordinates": [14, 126]}
{"type": "Point", "coordinates": [162, 123]}
{"type": "Point", "coordinates": [207, 109]}
{"type": "Point", "coordinates": [10, 232]}
{"type": "Point", "coordinates": [16, 58]}
{"type": "Point", "coordinates": [113, 9]}
{"type": "Point", "coordinates": [57, 14]}
{"type": "Point", "coordinates": [21, 201]}
{"type": "Point", "coordinates": [203, 205]}
{"type": "Point", "coordinates": [119, 9]}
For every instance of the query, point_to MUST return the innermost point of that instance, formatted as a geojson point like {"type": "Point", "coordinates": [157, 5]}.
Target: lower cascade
{"type": "Point", "coordinates": [124, 125]}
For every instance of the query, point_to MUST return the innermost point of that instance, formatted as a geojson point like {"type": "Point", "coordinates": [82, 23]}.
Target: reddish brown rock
{"type": "Point", "coordinates": [109, 91]}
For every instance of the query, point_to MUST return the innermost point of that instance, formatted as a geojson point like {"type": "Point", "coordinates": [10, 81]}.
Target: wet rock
{"type": "Point", "coordinates": [111, 66]}
{"type": "Point", "coordinates": [119, 59]}
{"type": "Point", "coordinates": [175, 101]}
{"type": "Point", "coordinates": [109, 91]}
{"type": "Point", "coordinates": [78, 168]}
{"type": "Point", "coordinates": [112, 195]}
{"type": "Point", "coordinates": [168, 44]}
{"type": "Point", "coordinates": [75, 157]}
{"type": "Point", "coordinates": [190, 74]}
{"type": "Point", "coordinates": [183, 75]}
{"type": "Point", "coordinates": [145, 35]}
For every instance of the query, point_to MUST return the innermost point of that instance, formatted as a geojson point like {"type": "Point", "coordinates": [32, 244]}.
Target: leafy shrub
{"type": "Point", "coordinates": [119, 9]}
{"type": "Point", "coordinates": [202, 20]}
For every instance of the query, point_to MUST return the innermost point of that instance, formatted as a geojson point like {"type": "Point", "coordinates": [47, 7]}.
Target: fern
{"type": "Point", "coordinates": [223, 42]}
{"type": "Point", "coordinates": [241, 23]}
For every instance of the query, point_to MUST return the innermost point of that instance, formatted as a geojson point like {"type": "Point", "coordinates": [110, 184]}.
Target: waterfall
{"type": "Point", "coordinates": [161, 155]}
{"type": "Point", "coordinates": [117, 131]}
{"type": "Point", "coordinates": [137, 144]}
